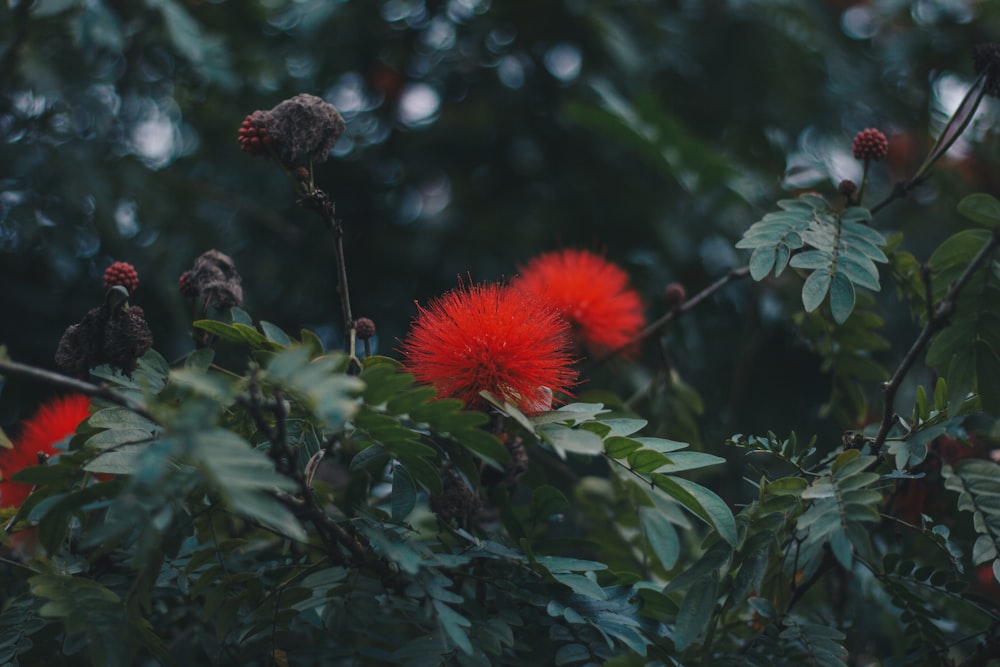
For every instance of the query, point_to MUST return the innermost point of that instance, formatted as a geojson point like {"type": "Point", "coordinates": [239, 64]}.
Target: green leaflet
{"type": "Point", "coordinates": [977, 483]}
{"type": "Point", "coordinates": [839, 250]}
{"type": "Point", "coordinates": [841, 502]}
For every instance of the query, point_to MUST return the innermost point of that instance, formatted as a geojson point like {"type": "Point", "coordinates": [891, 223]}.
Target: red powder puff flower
{"type": "Point", "coordinates": [494, 338]}
{"type": "Point", "coordinates": [55, 420]}
{"type": "Point", "coordinates": [590, 293]}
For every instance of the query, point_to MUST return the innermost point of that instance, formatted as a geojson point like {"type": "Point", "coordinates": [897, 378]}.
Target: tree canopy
{"type": "Point", "coordinates": [796, 200]}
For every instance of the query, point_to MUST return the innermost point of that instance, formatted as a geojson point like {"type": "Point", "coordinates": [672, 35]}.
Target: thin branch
{"type": "Point", "coordinates": [307, 508]}
{"type": "Point", "coordinates": [66, 382]}
{"type": "Point", "coordinates": [673, 314]}
{"type": "Point", "coordinates": [939, 321]}
{"type": "Point", "coordinates": [902, 189]}
{"type": "Point", "coordinates": [317, 200]}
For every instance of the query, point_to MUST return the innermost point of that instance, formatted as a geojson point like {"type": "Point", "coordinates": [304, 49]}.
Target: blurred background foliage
{"type": "Point", "coordinates": [478, 134]}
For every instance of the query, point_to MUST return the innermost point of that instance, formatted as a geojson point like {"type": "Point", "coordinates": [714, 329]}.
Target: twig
{"type": "Point", "coordinates": [902, 189]}
{"type": "Point", "coordinates": [317, 200]}
{"type": "Point", "coordinates": [66, 382]}
{"type": "Point", "coordinates": [307, 508]}
{"type": "Point", "coordinates": [674, 313]}
{"type": "Point", "coordinates": [939, 321]}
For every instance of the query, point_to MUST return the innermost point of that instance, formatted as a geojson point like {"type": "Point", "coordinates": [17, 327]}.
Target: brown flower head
{"type": "Point", "coordinates": [213, 281]}
{"type": "Point", "coordinates": [113, 333]}
{"type": "Point", "coordinates": [300, 130]}
{"type": "Point", "coordinates": [457, 502]}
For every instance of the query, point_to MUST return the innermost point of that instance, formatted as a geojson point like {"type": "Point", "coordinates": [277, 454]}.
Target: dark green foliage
{"type": "Point", "coordinates": [965, 351]}
{"type": "Point", "coordinates": [273, 498]}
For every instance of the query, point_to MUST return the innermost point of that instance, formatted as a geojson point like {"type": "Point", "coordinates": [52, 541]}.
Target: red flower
{"type": "Point", "coordinates": [55, 420]}
{"type": "Point", "coordinates": [591, 294]}
{"type": "Point", "coordinates": [490, 337]}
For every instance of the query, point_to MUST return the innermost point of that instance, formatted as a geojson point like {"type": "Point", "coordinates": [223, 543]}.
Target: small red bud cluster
{"type": "Point", "coordinates": [254, 138]}
{"type": "Point", "coordinates": [847, 187]}
{"type": "Point", "coordinates": [121, 273]}
{"type": "Point", "coordinates": [870, 144]}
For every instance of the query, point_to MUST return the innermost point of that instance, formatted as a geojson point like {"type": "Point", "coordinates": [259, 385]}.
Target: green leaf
{"type": "Point", "coordinates": [483, 444]}
{"type": "Point", "coordinates": [981, 208]}
{"type": "Point", "coordinates": [275, 334]}
{"type": "Point", "coordinates": [841, 297]}
{"type": "Point", "coordinates": [983, 550]}
{"type": "Point", "coordinates": [811, 259]}
{"type": "Point", "coordinates": [244, 477]}
{"type": "Point", "coordinates": [761, 262]}
{"type": "Point", "coordinates": [908, 452]}
{"type": "Point", "coordinates": [570, 653]}
{"type": "Point", "coordinates": [312, 342]}
{"type": "Point", "coordinates": [424, 473]}
{"type": "Point", "coordinates": [961, 375]}
{"type": "Point", "coordinates": [977, 482]}
{"type": "Point", "coordinates": [564, 439]}
{"type": "Point", "coordinates": [581, 585]}
{"type": "Point", "coordinates": [681, 461]}
{"type": "Point", "coordinates": [560, 564]}
{"type": "Point", "coordinates": [383, 382]}
{"type": "Point", "coordinates": [618, 447]}
{"type": "Point", "coordinates": [623, 427]}
{"type": "Point", "coordinates": [696, 610]}
{"type": "Point", "coordinates": [548, 501]}
{"type": "Point", "coordinates": [647, 460]}
{"type": "Point", "coordinates": [940, 395]}
{"type": "Point", "coordinates": [124, 461]}
{"type": "Point", "coordinates": [240, 316]}
{"type": "Point", "coordinates": [118, 417]}
{"type": "Point", "coordinates": [786, 486]}
{"type": "Point", "coordinates": [814, 289]}
{"type": "Point", "coordinates": [956, 251]}
{"type": "Point", "coordinates": [453, 623]}
{"type": "Point", "coordinates": [661, 536]}
{"type": "Point", "coordinates": [119, 437]}
{"type": "Point", "coordinates": [373, 456]}
{"type": "Point", "coordinates": [404, 493]}
{"type": "Point", "coordinates": [702, 502]}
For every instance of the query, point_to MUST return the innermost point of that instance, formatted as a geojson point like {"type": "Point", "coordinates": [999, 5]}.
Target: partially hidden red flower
{"type": "Point", "coordinates": [54, 421]}
{"type": "Point", "coordinates": [121, 273]}
{"type": "Point", "coordinates": [490, 337]}
{"type": "Point", "coordinates": [590, 293]}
